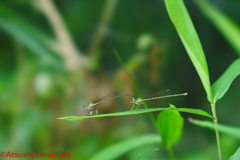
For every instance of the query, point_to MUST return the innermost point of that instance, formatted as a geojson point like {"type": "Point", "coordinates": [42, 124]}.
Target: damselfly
{"type": "Point", "coordinates": [112, 95]}
{"type": "Point", "coordinates": [139, 101]}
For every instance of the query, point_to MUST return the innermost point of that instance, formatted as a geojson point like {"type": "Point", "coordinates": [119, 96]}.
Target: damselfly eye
{"type": "Point", "coordinates": [84, 106]}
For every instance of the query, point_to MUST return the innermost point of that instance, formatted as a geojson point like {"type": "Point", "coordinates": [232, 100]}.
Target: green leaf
{"type": "Point", "coordinates": [155, 149]}
{"type": "Point", "coordinates": [236, 155]}
{"type": "Point", "coordinates": [170, 125]}
{"type": "Point", "coordinates": [220, 87]}
{"type": "Point", "coordinates": [139, 111]}
{"type": "Point", "coordinates": [194, 111]}
{"type": "Point", "coordinates": [121, 148]}
{"type": "Point", "coordinates": [232, 131]}
{"type": "Point", "coordinates": [229, 29]}
{"type": "Point", "coordinates": [184, 26]}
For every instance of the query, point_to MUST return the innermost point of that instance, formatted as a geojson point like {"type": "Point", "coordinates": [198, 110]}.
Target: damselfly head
{"type": "Point", "coordinates": [84, 106]}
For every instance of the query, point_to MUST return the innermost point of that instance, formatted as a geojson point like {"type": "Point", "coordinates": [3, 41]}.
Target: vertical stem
{"type": "Point", "coordinates": [216, 131]}
{"type": "Point", "coordinates": [135, 86]}
{"type": "Point", "coordinates": [170, 153]}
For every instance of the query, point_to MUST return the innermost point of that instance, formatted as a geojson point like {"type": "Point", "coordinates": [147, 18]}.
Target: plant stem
{"type": "Point", "coordinates": [170, 153]}
{"type": "Point", "coordinates": [216, 131]}
{"type": "Point", "coordinates": [135, 86]}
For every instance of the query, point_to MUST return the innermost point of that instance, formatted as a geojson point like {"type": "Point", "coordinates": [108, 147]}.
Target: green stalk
{"type": "Point", "coordinates": [135, 86]}
{"type": "Point", "coordinates": [216, 131]}
{"type": "Point", "coordinates": [170, 153]}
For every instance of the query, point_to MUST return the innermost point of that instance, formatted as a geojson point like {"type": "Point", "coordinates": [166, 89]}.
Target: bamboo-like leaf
{"type": "Point", "coordinates": [155, 149]}
{"type": "Point", "coordinates": [229, 29]}
{"type": "Point", "coordinates": [233, 131]}
{"type": "Point", "coordinates": [170, 125]}
{"type": "Point", "coordinates": [125, 113]}
{"type": "Point", "coordinates": [184, 26]}
{"type": "Point", "coordinates": [221, 86]}
{"type": "Point", "coordinates": [121, 148]}
{"type": "Point", "coordinates": [236, 155]}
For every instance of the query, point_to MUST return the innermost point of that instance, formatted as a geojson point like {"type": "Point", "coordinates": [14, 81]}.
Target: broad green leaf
{"type": "Point", "coordinates": [236, 155]}
{"type": "Point", "coordinates": [194, 111]}
{"type": "Point", "coordinates": [184, 26]}
{"type": "Point", "coordinates": [170, 125]}
{"type": "Point", "coordinates": [220, 87]}
{"type": "Point", "coordinates": [139, 111]}
{"type": "Point", "coordinates": [232, 131]}
{"type": "Point", "coordinates": [121, 148]}
{"type": "Point", "coordinates": [229, 29]}
{"type": "Point", "coordinates": [155, 149]}
{"type": "Point", "coordinates": [30, 37]}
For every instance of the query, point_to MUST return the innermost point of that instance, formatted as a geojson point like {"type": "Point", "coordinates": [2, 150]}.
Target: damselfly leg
{"type": "Point", "coordinates": [112, 95]}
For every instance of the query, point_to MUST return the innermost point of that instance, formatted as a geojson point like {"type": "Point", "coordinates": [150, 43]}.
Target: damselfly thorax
{"type": "Point", "coordinates": [139, 101]}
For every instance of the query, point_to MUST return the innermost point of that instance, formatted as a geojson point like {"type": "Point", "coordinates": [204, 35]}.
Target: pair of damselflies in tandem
{"type": "Point", "coordinates": [139, 101]}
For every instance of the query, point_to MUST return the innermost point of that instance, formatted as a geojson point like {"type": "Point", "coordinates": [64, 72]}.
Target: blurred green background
{"type": "Point", "coordinates": [57, 56]}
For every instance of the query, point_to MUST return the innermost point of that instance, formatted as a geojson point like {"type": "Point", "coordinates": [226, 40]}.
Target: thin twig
{"type": "Point", "coordinates": [73, 58]}
{"type": "Point", "coordinates": [170, 153]}
{"type": "Point", "coordinates": [102, 27]}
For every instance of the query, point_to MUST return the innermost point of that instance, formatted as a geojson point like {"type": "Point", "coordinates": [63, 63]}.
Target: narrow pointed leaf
{"type": "Point", "coordinates": [221, 86]}
{"type": "Point", "coordinates": [121, 148]}
{"type": "Point", "coordinates": [232, 131]}
{"type": "Point", "coordinates": [170, 125]}
{"type": "Point", "coordinates": [184, 26]}
{"type": "Point", "coordinates": [125, 113]}
{"type": "Point", "coordinates": [229, 29]}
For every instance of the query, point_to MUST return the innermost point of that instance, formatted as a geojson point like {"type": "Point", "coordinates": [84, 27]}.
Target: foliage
{"type": "Point", "coordinates": [55, 57]}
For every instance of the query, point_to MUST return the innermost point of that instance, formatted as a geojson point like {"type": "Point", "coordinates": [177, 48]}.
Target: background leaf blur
{"type": "Point", "coordinates": [228, 28]}
{"type": "Point", "coordinates": [233, 131]}
{"type": "Point", "coordinates": [44, 76]}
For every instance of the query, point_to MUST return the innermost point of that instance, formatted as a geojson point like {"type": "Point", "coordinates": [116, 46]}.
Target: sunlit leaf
{"type": "Point", "coordinates": [116, 150]}
{"type": "Point", "coordinates": [139, 111]}
{"type": "Point", "coordinates": [194, 111]}
{"type": "Point", "coordinates": [224, 24]}
{"type": "Point", "coordinates": [170, 125]}
{"type": "Point", "coordinates": [184, 26]}
{"type": "Point", "coordinates": [236, 155]}
{"type": "Point", "coordinates": [155, 149]}
{"type": "Point", "coordinates": [232, 131]}
{"type": "Point", "coordinates": [221, 86]}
